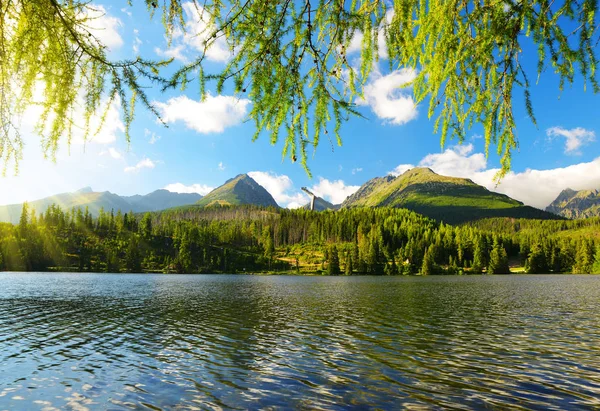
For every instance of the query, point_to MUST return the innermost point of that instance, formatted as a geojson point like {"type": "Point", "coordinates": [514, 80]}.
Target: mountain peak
{"type": "Point", "coordinates": [450, 199]}
{"type": "Point", "coordinates": [241, 189]}
{"type": "Point", "coordinates": [576, 204]}
{"type": "Point", "coordinates": [85, 190]}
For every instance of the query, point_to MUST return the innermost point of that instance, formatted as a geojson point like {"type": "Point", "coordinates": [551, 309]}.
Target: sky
{"type": "Point", "coordinates": [208, 142]}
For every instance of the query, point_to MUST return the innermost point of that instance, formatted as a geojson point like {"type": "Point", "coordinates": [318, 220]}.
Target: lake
{"type": "Point", "coordinates": [115, 341]}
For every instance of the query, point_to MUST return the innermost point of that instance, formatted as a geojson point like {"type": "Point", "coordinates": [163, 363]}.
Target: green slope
{"type": "Point", "coordinates": [576, 204]}
{"type": "Point", "coordinates": [449, 199]}
{"type": "Point", "coordinates": [237, 191]}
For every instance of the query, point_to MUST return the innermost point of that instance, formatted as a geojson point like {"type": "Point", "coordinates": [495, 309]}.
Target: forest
{"type": "Point", "coordinates": [250, 239]}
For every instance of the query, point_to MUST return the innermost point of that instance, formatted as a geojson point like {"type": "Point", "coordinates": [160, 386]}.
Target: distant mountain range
{"type": "Point", "coordinates": [576, 204]}
{"type": "Point", "coordinates": [239, 190]}
{"type": "Point", "coordinates": [94, 201]}
{"type": "Point", "coordinates": [449, 199]}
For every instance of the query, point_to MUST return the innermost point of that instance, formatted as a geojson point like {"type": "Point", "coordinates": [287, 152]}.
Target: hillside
{"type": "Point", "coordinates": [576, 204]}
{"type": "Point", "coordinates": [94, 201]}
{"type": "Point", "coordinates": [449, 199]}
{"type": "Point", "coordinates": [239, 190]}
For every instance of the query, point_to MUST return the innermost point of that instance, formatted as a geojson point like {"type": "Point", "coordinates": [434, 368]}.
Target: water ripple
{"type": "Point", "coordinates": [238, 342]}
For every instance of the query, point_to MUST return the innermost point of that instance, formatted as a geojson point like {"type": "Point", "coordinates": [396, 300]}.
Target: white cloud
{"type": "Point", "coordinates": [357, 170]}
{"type": "Point", "coordinates": [401, 169]}
{"type": "Point", "coordinates": [213, 115]}
{"type": "Point", "coordinates": [112, 152]}
{"type": "Point", "coordinates": [110, 128]}
{"type": "Point", "coordinates": [575, 138]}
{"type": "Point", "coordinates": [221, 166]}
{"type": "Point", "coordinates": [456, 161]}
{"type": "Point", "coordinates": [333, 191]}
{"type": "Point", "coordinates": [137, 42]}
{"type": "Point", "coordinates": [384, 95]}
{"type": "Point", "coordinates": [145, 163]}
{"type": "Point", "coordinates": [294, 205]}
{"type": "Point", "coordinates": [197, 32]}
{"type": "Point", "coordinates": [281, 188]}
{"type": "Point", "coordinates": [104, 26]}
{"type": "Point", "coordinates": [176, 52]}
{"type": "Point", "coordinates": [153, 136]}
{"type": "Point", "coordinates": [537, 188]}
{"type": "Point", "coordinates": [356, 41]}
{"type": "Point", "coordinates": [106, 134]}
{"type": "Point", "coordinates": [201, 189]}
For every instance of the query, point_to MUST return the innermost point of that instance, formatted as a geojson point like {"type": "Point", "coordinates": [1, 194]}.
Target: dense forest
{"type": "Point", "coordinates": [252, 239]}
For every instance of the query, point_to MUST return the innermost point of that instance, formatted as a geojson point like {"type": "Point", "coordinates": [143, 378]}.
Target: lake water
{"type": "Point", "coordinates": [102, 341]}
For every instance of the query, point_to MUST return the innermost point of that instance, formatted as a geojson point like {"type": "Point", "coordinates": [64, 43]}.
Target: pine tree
{"type": "Point", "coordinates": [478, 256]}
{"type": "Point", "coordinates": [333, 268]}
{"type": "Point", "coordinates": [584, 258]}
{"type": "Point", "coordinates": [595, 267]}
{"type": "Point", "coordinates": [349, 268]}
{"type": "Point", "coordinates": [428, 266]}
{"type": "Point", "coordinates": [498, 260]}
{"type": "Point", "coordinates": [133, 259]}
{"type": "Point", "coordinates": [537, 262]}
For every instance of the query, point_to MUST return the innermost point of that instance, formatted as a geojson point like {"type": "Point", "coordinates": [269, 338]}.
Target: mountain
{"type": "Point", "coordinates": [322, 205]}
{"type": "Point", "coordinates": [161, 200]}
{"type": "Point", "coordinates": [239, 190]}
{"type": "Point", "coordinates": [86, 197]}
{"type": "Point", "coordinates": [576, 204]}
{"type": "Point", "coordinates": [450, 199]}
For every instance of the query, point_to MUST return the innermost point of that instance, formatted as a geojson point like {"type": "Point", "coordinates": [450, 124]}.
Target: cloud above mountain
{"type": "Point", "coordinates": [537, 188]}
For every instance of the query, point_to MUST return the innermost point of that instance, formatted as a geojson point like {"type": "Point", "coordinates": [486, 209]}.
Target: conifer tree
{"type": "Point", "coordinates": [479, 260]}
{"type": "Point", "coordinates": [537, 262]}
{"type": "Point", "coordinates": [349, 268]}
{"type": "Point", "coordinates": [333, 268]}
{"type": "Point", "coordinates": [498, 260]}
{"type": "Point", "coordinates": [584, 258]}
{"type": "Point", "coordinates": [428, 266]}
{"type": "Point", "coordinates": [595, 267]}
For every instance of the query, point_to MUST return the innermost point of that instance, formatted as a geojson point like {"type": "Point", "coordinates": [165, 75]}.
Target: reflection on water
{"type": "Point", "coordinates": [163, 342]}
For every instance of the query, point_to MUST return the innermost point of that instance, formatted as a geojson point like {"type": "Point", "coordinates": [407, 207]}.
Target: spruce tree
{"type": "Point", "coordinates": [596, 266]}
{"type": "Point", "coordinates": [478, 256]}
{"type": "Point", "coordinates": [537, 262]}
{"type": "Point", "coordinates": [334, 261]}
{"type": "Point", "coordinates": [428, 266]}
{"type": "Point", "coordinates": [498, 260]}
{"type": "Point", "coordinates": [349, 267]}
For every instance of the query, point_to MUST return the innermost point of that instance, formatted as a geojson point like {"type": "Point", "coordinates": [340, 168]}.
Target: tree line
{"type": "Point", "coordinates": [254, 239]}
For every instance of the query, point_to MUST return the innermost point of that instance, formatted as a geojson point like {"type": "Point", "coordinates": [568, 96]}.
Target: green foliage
{"type": "Point", "coordinates": [584, 258]}
{"type": "Point", "coordinates": [479, 259]}
{"type": "Point", "coordinates": [251, 239]}
{"type": "Point", "coordinates": [595, 267]}
{"type": "Point", "coordinates": [537, 263]}
{"type": "Point", "coordinates": [333, 268]}
{"type": "Point", "coordinates": [133, 258]}
{"type": "Point", "coordinates": [50, 57]}
{"type": "Point", "coordinates": [290, 58]}
{"type": "Point", "coordinates": [498, 260]}
{"type": "Point", "coordinates": [428, 266]}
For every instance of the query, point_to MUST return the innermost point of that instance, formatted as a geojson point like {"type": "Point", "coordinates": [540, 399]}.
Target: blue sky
{"type": "Point", "coordinates": [208, 143]}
